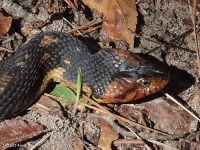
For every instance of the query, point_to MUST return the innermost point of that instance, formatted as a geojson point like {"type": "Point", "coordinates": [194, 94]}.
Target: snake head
{"type": "Point", "coordinates": [135, 79]}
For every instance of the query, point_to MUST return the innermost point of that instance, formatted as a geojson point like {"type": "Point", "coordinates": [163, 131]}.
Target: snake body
{"type": "Point", "coordinates": [112, 75]}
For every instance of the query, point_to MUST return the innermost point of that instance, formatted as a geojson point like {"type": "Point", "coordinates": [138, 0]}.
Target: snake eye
{"type": "Point", "coordinates": [145, 82]}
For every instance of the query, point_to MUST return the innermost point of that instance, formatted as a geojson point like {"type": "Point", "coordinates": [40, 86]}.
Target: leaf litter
{"type": "Point", "coordinates": [161, 21]}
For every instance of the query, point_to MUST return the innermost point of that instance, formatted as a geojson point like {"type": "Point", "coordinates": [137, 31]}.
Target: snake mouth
{"type": "Point", "coordinates": [148, 91]}
{"type": "Point", "coordinates": [126, 89]}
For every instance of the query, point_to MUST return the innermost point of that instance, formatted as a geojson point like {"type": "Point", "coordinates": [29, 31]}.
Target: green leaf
{"type": "Point", "coordinates": [64, 92]}
{"type": "Point", "coordinates": [67, 93]}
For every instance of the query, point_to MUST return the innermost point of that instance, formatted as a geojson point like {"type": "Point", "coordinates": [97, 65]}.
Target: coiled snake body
{"type": "Point", "coordinates": [112, 75]}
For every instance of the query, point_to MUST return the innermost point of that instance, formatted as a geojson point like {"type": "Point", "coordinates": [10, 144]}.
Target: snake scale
{"type": "Point", "coordinates": [112, 75]}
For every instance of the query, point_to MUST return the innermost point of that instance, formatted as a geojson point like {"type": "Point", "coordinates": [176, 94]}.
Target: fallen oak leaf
{"type": "Point", "coordinates": [5, 24]}
{"type": "Point", "coordinates": [15, 130]}
{"type": "Point", "coordinates": [119, 17]}
{"type": "Point", "coordinates": [102, 139]}
{"type": "Point", "coordinates": [169, 119]}
{"type": "Point", "coordinates": [105, 141]}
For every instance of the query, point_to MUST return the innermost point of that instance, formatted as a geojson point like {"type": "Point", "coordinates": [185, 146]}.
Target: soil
{"type": "Point", "coordinates": [165, 32]}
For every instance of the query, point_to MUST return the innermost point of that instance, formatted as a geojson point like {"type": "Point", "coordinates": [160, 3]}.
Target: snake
{"type": "Point", "coordinates": [110, 75]}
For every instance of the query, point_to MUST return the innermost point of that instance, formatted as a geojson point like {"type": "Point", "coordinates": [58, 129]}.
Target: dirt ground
{"type": "Point", "coordinates": [165, 32]}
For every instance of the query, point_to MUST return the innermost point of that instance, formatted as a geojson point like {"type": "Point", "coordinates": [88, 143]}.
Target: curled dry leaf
{"type": "Point", "coordinates": [5, 23]}
{"type": "Point", "coordinates": [107, 133]}
{"type": "Point", "coordinates": [170, 119]}
{"type": "Point", "coordinates": [15, 130]}
{"type": "Point", "coordinates": [105, 141]}
{"type": "Point", "coordinates": [119, 16]}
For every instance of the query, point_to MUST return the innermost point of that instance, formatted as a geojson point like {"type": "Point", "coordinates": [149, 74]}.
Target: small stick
{"type": "Point", "coordinates": [7, 50]}
{"type": "Point", "coordinates": [72, 25]}
{"type": "Point", "coordinates": [163, 145]}
{"type": "Point", "coordinates": [181, 105]}
{"type": "Point", "coordinates": [194, 21]}
{"type": "Point", "coordinates": [86, 26]}
{"type": "Point", "coordinates": [119, 117]}
{"type": "Point", "coordinates": [40, 142]}
{"type": "Point", "coordinates": [164, 43]}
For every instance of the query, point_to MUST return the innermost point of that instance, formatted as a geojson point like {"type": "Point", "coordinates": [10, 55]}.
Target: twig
{"type": "Point", "coordinates": [138, 137]}
{"type": "Point", "coordinates": [164, 43]}
{"type": "Point", "coordinates": [114, 125]}
{"type": "Point", "coordinates": [40, 142]}
{"type": "Point", "coordinates": [119, 118]}
{"type": "Point", "coordinates": [5, 49]}
{"type": "Point", "coordinates": [128, 142]}
{"type": "Point", "coordinates": [88, 25]}
{"type": "Point", "coordinates": [163, 145]}
{"type": "Point", "coordinates": [125, 133]}
{"type": "Point", "coordinates": [72, 26]}
{"type": "Point", "coordinates": [195, 31]}
{"type": "Point", "coordinates": [181, 105]}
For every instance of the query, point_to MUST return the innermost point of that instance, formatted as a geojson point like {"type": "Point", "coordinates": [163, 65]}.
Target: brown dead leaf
{"type": "Point", "coordinates": [195, 99]}
{"type": "Point", "coordinates": [119, 16]}
{"type": "Point", "coordinates": [78, 144]}
{"type": "Point", "coordinates": [15, 130]}
{"type": "Point", "coordinates": [107, 134]}
{"type": "Point", "coordinates": [129, 111]}
{"type": "Point", "coordinates": [102, 134]}
{"type": "Point", "coordinates": [47, 104]}
{"type": "Point", "coordinates": [169, 119]}
{"type": "Point", "coordinates": [5, 23]}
